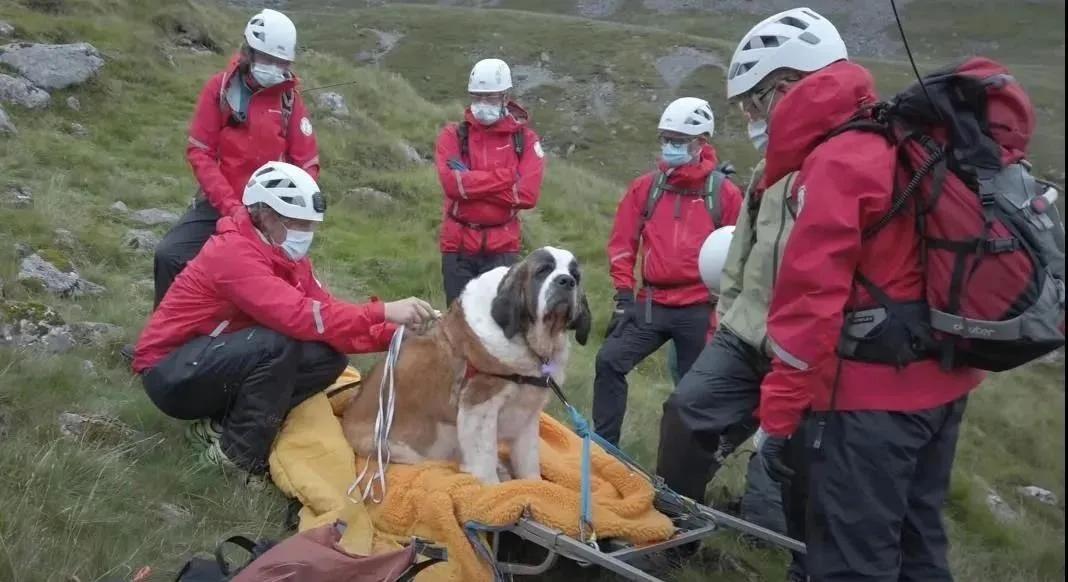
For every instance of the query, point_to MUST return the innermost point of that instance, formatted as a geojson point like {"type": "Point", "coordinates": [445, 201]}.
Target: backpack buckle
{"type": "Point", "coordinates": [987, 198]}
{"type": "Point", "coordinates": [1002, 245]}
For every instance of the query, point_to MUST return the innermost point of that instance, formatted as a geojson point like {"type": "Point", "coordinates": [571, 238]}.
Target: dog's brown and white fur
{"type": "Point", "coordinates": [453, 402]}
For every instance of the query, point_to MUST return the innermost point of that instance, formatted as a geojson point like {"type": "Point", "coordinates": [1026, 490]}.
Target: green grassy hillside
{"type": "Point", "coordinates": [108, 503]}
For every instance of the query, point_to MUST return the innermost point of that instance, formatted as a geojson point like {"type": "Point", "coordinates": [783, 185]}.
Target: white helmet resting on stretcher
{"type": "Point", "coordinates": [713, 256]}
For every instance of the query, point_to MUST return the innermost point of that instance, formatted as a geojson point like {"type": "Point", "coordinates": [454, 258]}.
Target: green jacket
{"type": "Point", "coordinates": [753, 259]}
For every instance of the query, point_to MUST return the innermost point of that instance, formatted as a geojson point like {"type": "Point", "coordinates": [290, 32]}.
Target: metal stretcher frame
{"type": "Point", "coordinates": [693, 521]}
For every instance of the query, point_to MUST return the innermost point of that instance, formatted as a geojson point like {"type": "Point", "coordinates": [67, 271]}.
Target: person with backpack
{"type": "Point", "coordinates": [899, 281]}
{"type": "Point", "coordinates": [490, 167]}
{"type": "Point", "coordinates": [247, 333]}
{"type": "Point", "coordinates": [664, 218]}
{"type": "Point", "coordinates": [246, 115]}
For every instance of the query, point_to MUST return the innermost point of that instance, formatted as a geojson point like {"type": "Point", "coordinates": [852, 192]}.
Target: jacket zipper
{"type": "Point", "coordinates": [775, 258]}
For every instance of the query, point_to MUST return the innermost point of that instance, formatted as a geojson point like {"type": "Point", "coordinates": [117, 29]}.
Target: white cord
{"type": "Point", "coordinates": [383, 423]}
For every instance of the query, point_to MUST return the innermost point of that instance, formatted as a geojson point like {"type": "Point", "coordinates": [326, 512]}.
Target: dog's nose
{"type": "Point", "coordinates": [566, 281]}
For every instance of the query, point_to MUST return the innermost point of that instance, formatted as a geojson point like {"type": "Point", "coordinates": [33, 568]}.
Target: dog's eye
{"type": "Point", "coordinates": [544, 270]}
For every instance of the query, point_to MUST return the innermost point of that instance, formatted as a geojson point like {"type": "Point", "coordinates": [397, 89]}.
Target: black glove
{"type": "Point", "coordinates": [623, 314]}
{"type": "Point", "coordinates": [772, 450]}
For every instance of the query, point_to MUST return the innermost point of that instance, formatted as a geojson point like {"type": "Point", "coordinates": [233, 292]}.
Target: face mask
{"type": "Point", "coordinates": [675, 155]}
{"type": "Point", "coordinates": [486, 113]}
{"type": "Point", "coordinates": [758, 134]}
{"type": "Point", "coordinates": [297, 243]}
{"type": "Point", "coordinates": [268, 75]}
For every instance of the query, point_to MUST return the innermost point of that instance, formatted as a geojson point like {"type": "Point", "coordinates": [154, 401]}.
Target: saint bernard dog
{"type": "Point", "coordinates": [479, 376]}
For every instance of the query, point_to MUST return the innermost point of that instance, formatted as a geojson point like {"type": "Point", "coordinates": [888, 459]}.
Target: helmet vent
{"type": "Point", "coordinates": [280, 183]}
{"type": "Point", "coordinates": [809, 38]}
{"type": "Point", "coordinates": [294, 200]}
{"type": "Point", "coordinates": [812, 14]}
{"type": "Point", "coordinates": [794, 22]}
{"type": "Point", "coordinates": [256, 21]}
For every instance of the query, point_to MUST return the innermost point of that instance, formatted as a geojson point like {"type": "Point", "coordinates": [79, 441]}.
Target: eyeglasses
{"type": "Point", "coordinates": [675, 141]}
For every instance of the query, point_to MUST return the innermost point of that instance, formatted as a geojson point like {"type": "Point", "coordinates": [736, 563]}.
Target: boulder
{"type": "Point", "coordinates": [64, 239]}
{"type": "Point", "coordinates": [1041, 495]}
{"type": "Point", "coordinates": [371, 195]}
{"type": "Point", "coordinates": [92, 333]}
{"type": "Point", "coordinates": [27, 324]}
{"type": "Point", "coordinates": [78, 130]}
{"type": "Point", "coordinates": [411, 154]}
{"type": "Point", "coordinates": [1001, 510]}
{"type": "Point", "coordinates": [142, 241]}
{"type": "Point", "coordinates": [333, 103]}
{"type": "Point", "coordinates": [6, 127]}
{"type": "Point", "coordinates": [73, 103]}
{"type": "Point", "coordinates": [21, 92]}
{"type": "Point", "coordinates": [55, 281]}
{"type": "Point", "coordinates": [16, 197]}
{"type": "Point", "coordinates": [53, 66]}
{"type": "Point", "coordinates": [154, 216]}
{"type": "Point", "coordinates": [119, 207]}
{"type": "Point", "coordinates": [6, 29]}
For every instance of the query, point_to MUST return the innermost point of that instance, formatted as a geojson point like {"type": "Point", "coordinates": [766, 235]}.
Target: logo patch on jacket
{"type": "Point", "coordinates": [800, 198]}
{"type": "Point", "coordinates": [305, 126]}
{"type": "Point", "coordinates": [537, 149]}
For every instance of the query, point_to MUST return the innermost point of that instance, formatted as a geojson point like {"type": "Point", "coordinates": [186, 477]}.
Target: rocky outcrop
{"type": "Point", "coordinates": [56, 281]}
{"type": "Point", "coordinates": [53, 66]}
{"type": "Point", "coordinates": [21, 92]}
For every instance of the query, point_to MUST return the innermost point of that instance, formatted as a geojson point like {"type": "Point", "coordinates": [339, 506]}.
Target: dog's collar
{"type": "Point", "coordinates": [471, 371]}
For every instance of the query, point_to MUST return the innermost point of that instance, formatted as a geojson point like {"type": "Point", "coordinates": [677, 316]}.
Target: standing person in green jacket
{"type": "Point", "coordinates": [712, 410]}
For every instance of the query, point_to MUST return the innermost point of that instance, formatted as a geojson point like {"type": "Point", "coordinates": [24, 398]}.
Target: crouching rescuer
{"type": "Point", "coordinates": [246, 332]}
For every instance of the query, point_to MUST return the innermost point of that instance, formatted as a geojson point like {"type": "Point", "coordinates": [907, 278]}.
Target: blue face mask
{"type": "Point", "coordinates": [675, 155]}
{"type": "Point", "coordinates": [297, 243]}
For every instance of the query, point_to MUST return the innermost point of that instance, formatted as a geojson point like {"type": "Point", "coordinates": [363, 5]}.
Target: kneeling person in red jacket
{"type": "Point", "coordinates": [664, 218]}
{"type": "Point", "coordinates": [246, 333]}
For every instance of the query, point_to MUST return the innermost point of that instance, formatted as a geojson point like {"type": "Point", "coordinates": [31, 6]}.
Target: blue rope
{"type": "Point", "coordinates": [582, 428]}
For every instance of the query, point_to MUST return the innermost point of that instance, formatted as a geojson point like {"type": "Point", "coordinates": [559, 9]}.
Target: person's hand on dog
{"type": "Point", "coordinates": [412, 312]}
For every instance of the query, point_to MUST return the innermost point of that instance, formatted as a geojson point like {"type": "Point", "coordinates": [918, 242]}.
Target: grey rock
{"type": "Point", "coordinates": [58, 340]}
{"type": "Point", "coordinates": [334, 103]}
{"type": "Point", "coordinates": [16, 197]}
{"type": "Point", "coordinates": [79, 130]}
{"type": "Point", "coordinates": [92, 333]}
{"type": "Point", "coordinates": [93, 427]}
{"type": "Point", "coordinates": [120, 207]}
{"type": "Point", "coordinates": [88, 367]}
{"type": "Point", "coordinates": [55, 281]}
{"type": "Point", "coordinates": [545, 58]}
{"type": "Point", "coordinates": [411, 154]}
{"type": "Point", "coordinates": [23, 250]}
{"type": "Point", "coordinates": [22, 92]}
{"type": "Point", "coordinates": [26, 323]}
{"type": "Point", "coordinates": [1001, 510]}
{"type": "Point", "coordinates": [73, 103]}
{"type": "Point", "coordinates": [1042, 495]}
{"type": "Point", "coordinates": [6, 29]}
{"type": "Point", "coordinates": [154, 216]}
{"type": "Point", "coordinates": [53, 66]}
{"type": "Point", "coordinates": [677, 66]}
{"type": "Point", "coordinates": [6, 127]}
{"type": "Point", "coordinates": [64, 239]}
{"type": "Point", "coordinates": [142, 241]}
{"type": "Point", "coordinates": [371, 195]}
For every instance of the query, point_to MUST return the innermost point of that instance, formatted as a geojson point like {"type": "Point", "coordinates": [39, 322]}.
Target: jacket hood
{"type": "Point", "coordinates": [810, 110]}
{"type": "Point", "coordinates": [517, 117]}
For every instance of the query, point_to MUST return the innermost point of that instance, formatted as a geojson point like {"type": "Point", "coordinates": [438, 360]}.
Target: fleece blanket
{"type": "Point", "coordinates": [312, 462]}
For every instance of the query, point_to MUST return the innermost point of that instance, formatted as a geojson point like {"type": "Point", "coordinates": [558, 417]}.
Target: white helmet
{"type": "Point", "coordinates": [289, 190]}
{"type": "Point", "coordinates": [273, 33]}
{"type": "Point", "coordinates": [688, 115]}
{"type": "Point", "coordinates": [798, 39]}
{"type": "Point", "coordinates": [490, 76]}
{"type": "Point", "coordinates": [713, 256]}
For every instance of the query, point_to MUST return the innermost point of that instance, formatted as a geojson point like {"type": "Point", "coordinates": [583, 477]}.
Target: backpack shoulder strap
{"type": "Point", "coordinates": [716, 179]}
{"type": "Point", "coordinates": [461, 133]}
{"type": "Point", "coordinates": [656, 190]}
{"type": "Point", "coordinates": [287, 110]}
{"type": "Point", "coordinates": [518, 142]}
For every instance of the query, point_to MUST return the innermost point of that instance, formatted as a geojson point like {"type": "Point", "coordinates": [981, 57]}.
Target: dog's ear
{"type": "Point", "coordinates": [509, 308]}
{"type": "Point", "coordinates": [582, 320]}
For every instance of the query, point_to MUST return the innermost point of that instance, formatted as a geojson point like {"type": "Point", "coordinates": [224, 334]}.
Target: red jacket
{"type": "Point", "coordinates": [481, 206]}
{"type": "Point", "coordinates": [223, 155]}
{"type": "Point", "coordinates": [241, 279]}
{"type": "Point", "coordinates": [844, 185]}
{"type": "Point", "coordinates": [672, 238]}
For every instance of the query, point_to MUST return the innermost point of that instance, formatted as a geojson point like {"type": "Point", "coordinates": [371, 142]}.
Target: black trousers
{"type": "Point", "coordinates": [619, 354]}
{"type": "Point", "coordinates": [714, 402]}
{"type": "Point", "coordinates": [181, 243]}
{"type": "Point", "coordinates": [877, 485]}
{"type": "Point", "coordinates": [248, 380]}
{"type": "Point", "coordinates": [459, 268]}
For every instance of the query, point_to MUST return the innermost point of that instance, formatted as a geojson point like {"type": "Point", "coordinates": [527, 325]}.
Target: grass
{"type": "Point", "coordinates": [94, 508]}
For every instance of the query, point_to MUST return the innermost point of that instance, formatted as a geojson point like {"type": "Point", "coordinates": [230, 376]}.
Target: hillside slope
{"type": "Point", "coordinates": [110, 500]}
